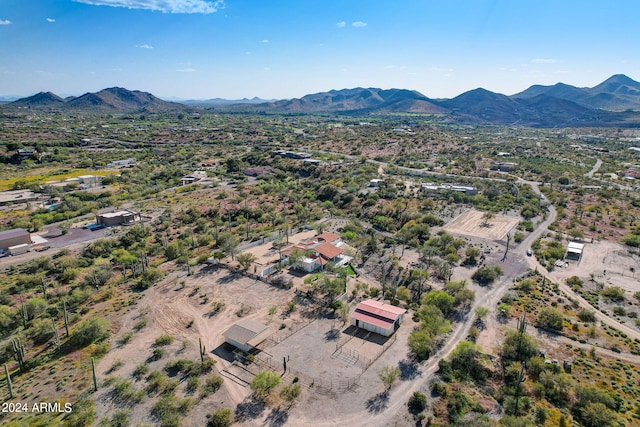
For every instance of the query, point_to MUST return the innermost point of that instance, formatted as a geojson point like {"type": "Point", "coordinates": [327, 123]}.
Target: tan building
{"type": "Point", "coordinates": [17, 236]}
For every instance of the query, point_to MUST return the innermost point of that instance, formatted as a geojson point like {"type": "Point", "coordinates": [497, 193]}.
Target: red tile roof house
{"type": "Point", "coordinates": [378, 317]}
{"type": "Point", "coordinates": [318, 252]}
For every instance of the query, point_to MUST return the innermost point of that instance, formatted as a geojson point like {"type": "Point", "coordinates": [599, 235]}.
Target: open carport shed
{"type": "Point", "coordinates": [574, 251]}
{"type": "Point", "coordinates": [246, 334]}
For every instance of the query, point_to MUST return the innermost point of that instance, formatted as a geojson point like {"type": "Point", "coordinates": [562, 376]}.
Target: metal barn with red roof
{"type": "Point", "coordinates": [378, 317]}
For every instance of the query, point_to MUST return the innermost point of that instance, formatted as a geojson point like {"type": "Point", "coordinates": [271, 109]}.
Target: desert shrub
{"type": "Point", "coordinates": [211, 384]}
{"type": "Point", "coordinates": [613, 293]}
{"type": "Point", "coordinates": [457, 405]}
{"type": "Point", "coordinates": [222, 417]}
{"type": "Point", "coordinates": [157, 354]}
{"type": "Point", "coordinates": [156, 381]}
{"type": "Point", "coordinates": [41, 330]}
{"type": "Point", "coordinates": [82, 413]}
{"type": "Point", "coordinates": [551, 319]}
{"type": "Point", "coordinates": [169, 410]}
{"type": "Point", "coordinates": [192, 384]}
{"type": "Point", "coordinates": [125, 338]}
{"type": "Point", "coordinates": [124, 392]}
{"type": "Point", "coordinates": [179, 366]}
{"type": "Point", "coordinates": [140, 324]}
{"type": "Point", "coordinates": [202, 368]}
{"type": "Point", "coordinates": [149, 277]}
{"type": "Point", "coordinates": [574, 281]}
{"type": "Point", "coordinates": [162, 340]}
{"type": "Point", "coordinates": [487, 275]}
{"type": "Point", "coordinates": [120, 418]}
{"type": "Point", "coordinates": [140, 370]}
{"type": "Point", "coordinates": [587, 316]}
{"type": "Point", "coordinates": [619, 311]}
{"type": "Point", "coordinates": [417, 402]}
{"type": "Point", "coordinates": [89, 331]}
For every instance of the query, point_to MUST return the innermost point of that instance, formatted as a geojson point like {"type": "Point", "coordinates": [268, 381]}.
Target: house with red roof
{"type": "Point", "coordinates": [378, 317]}
{"type": "Point", "coordinates": [317, 252]}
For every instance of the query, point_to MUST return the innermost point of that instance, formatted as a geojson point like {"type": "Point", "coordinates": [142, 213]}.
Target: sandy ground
{"type": "Point", "coordinates": [265, 254]}
{"type": "Point", "coordinates": [170, 308]}
{"type": "Point", "coordinates": [471, 223]}
{"type": "Point", "coordinates": [610, 262]}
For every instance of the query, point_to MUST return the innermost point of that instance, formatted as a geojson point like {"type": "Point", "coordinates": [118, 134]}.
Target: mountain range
{"type": "Point", "coordinates": [614, 102]}
{"type": "Point", "coordinates": [111, 100]}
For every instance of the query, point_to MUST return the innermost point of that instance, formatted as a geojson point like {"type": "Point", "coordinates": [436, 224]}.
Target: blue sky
{"type": "Point", "coordinates": [288, 48]}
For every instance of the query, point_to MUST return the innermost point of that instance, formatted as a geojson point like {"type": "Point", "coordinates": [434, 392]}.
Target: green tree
{"type": "Point", "coordinates": [295, 258]}
{"type": "Point", "coordinates": [417, 280]}
{"type": "Point", "coordinates": [228, 243]}
{"type": "Point", "coordinates": [264, 382]}
{"type": "Point", "coordinates": [421, 344]}
{"type": "Point", "coordinates": [404, 294]}
{"type": "Point", "coordinates": [440, 299]}
{"type": "Point", "coordinates": [245, 260]}
{"type": "Point", "coordinates": [290, 393]}
{"type": "Point", "coordinates": [388, 375]}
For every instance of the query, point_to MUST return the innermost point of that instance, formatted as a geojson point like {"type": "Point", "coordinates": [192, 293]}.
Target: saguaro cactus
{"type": "Point", "coordinates": [93, 374]}
{"type": "Point", "coordinates": [6, 371]}
{"type": "Point", "coordinates": [18, 352]}
{"type": "Point", "coordinates": [66, 317]}
{"type": "Point", "coordinates": [202, 349]}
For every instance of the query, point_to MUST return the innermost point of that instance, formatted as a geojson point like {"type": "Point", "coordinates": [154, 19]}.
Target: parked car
{"type": "Point", "coordinates": [529, 252]}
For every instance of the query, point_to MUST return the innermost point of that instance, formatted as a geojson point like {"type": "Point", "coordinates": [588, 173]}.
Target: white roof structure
{"type": "Point", "coordinates": [575, 247]}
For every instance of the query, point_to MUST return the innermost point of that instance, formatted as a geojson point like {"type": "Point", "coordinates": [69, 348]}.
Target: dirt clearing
{"type": "Point", "coordinates": [471, 223]}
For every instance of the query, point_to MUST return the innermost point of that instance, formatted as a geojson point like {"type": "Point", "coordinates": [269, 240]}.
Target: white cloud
{"type": "Point", "coordinates": [165, 6]}
{"type": "Point", "coordinates": [544, 61]}
{"type": "Point", "coordinates": [144, 46]}
{"type": "Point", "coordinates": [359, 24]}
{"type": "Point", "coordinates": [341, 24]}
{"type": "Point", "coordinates": [265, 41]}
{"type": "Point", "coordinates": [51, 20]}
{"type": "Point", "coordinates": [4, 22]}
{"type": "Point", "coordinates": [187, 70]}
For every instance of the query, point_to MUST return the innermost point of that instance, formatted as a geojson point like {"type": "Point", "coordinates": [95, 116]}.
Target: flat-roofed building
{"type": "Point", "coordinates": [125, 217]}
{"type": "Point", "coordinates": [17, 236]}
